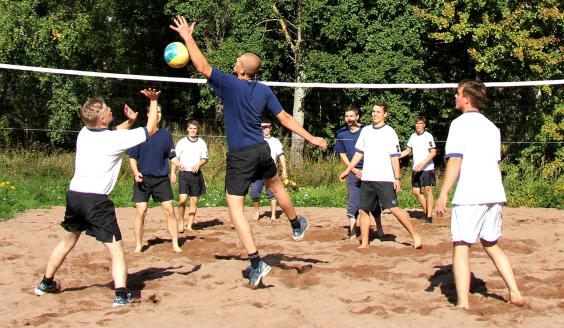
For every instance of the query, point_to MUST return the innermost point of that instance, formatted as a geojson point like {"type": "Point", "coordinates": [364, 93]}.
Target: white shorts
{"type": "Point", "coordinates": [468, 222]}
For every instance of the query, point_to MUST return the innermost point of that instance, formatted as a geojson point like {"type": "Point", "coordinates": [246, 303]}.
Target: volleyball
{"type": "Point", "coordinates": [176, 55]}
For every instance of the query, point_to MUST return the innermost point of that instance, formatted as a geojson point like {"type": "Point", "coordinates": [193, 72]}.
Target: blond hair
{"type": "Point", "coordinates": [91, 111]}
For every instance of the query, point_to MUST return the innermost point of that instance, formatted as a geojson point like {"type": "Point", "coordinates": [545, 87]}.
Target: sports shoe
{"type": "Point", "coordinates": [255, 275]}
{"type": "Point", "coordinates": [44, 288]}
{"type": "Point", "coordinates": [298, 234]}
{"type": "Point", "coordinates": [429, 219]}
{"type": "Point", "coordinates": [121, 301]}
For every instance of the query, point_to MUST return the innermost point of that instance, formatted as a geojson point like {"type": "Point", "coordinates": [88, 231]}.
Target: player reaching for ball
{"type": "Point", "coordinates": [248, 157]}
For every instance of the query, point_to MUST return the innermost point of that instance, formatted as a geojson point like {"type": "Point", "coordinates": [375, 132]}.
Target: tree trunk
{"type": "Point", "coordinates": [297, 149]}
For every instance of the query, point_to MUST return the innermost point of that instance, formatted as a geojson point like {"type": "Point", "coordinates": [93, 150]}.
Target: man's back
{"type": "Point", "coordinates": [98, 158]}
{"type": "Point", "coordinates": [244, 104]}
{"type": "Point", "coordinates": [477, 140]}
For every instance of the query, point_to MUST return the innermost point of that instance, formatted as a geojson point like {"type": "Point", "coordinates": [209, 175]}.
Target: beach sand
{"type": "Point", "coordinates": [321, 281]}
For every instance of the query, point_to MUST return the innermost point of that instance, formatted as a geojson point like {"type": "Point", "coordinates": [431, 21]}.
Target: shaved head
{"type": "Point", "coordinates": [251, 63]}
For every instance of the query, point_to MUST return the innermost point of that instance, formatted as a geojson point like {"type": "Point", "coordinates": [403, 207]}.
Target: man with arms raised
{"type": "Point", "coordinates": [248, 157]}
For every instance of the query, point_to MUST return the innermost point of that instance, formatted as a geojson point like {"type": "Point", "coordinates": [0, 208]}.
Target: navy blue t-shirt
{"type": "Point", "coordinates": [346, 140]}
{"type": "Point", "coordinates": [152, 155]}
{"type": "Point", "coordinates": [244, 103]}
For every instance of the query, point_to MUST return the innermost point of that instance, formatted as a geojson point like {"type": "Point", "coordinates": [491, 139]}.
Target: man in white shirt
{"type": "Point", "coordinates": [192, 153]}
{"type": "Point", "coordinates": [378, 144]}
{"type": "Point", "coordinates": [473, 150]}
{"type": "Point", "coordinates": [99, 152]}
{"type": "Point", "coordinates": [422, 145]}
{"type": "Point", "coordinates": [277, 154]}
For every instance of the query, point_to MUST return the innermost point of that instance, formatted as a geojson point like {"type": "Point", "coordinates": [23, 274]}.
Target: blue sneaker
{"type": "Point", "coordinates": [256, 275]}
{"type": "Point", "coordinates": [44, 288]}
{"type": "Point", "coordinates": [121, 301]}
{"type": "Point", "coordinates": [298, 234]}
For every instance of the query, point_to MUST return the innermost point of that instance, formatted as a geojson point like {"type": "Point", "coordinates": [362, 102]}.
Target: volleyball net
{"type": "Point", "coordinates": [41, 106]}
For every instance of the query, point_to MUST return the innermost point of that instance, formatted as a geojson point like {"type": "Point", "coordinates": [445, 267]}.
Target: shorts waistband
{"type": "Point", "coordinates": [247, 148]}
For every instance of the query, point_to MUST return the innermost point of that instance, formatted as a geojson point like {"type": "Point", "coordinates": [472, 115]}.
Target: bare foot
{"type": "Point", "coordinates": [362, 247]}
{"type": "Point", "coordinates": [189, 228]}
{"type": "Point", "coordinates": [417, 243]}
{"type": "Point", "coordinates": [138, 249]}
{"type": "Point", "coordinates": [516, 299]}
{"type": "Point", "coordinates": [256, 217]}
{"type": "Point", "coordinates": [180, 231]}
{"type": "Point", "coordinates": [176, 249]}
{"type": "Point", "coordinates": [273, 218]}
{"type": "Point", "coordinates": [464, 307]}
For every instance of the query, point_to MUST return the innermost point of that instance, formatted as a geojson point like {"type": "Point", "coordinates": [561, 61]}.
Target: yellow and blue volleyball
{"type": "Point", "coordinates": [176, 55]}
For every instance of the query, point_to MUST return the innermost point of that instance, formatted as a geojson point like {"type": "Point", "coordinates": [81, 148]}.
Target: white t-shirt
{"type": "Point", "coordinates": [275, 148]}
{"type": "Point", "coordinates": [98, 158]}
{"type": "Point", "coordinates": [191, 152]}
{"type": "Point", "coordinates": [477, 141]}
{"type": "Point", "coordinates": [378, 145]}
{"type": "Point", "coordinates": [421, 145]}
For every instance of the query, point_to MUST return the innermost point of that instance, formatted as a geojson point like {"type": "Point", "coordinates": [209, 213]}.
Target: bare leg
{"type": "Point", "coordinates": [461, 271]}
{"type": "Point", "coordinates": [119, 266]}
{"type": "Point", "coordinates": [420, 198]}
{"type": "Point", "coordinates": [172, 224]}
{"type": "Point", "coordinates": [277, 188]}
{"type": "Point", "coordinates": [256, 205]}
{"type": "Point", "coordinates": [60, 252]}
{"type": "Point", "coordinates": [236, 213]}
{"type": "Point", "coordinates": [364, 218]}
{"type": "Point", "coordinates": [430, 200]}
{"type": "Point", "coordinates": [141, 211]}
{"type": "Point", "coordinates": [273, 209]}
{"type": "Point", "coordinates": [192, 211]}
{"type": "Point", "coordinates": [403, 218]}
{"type": "Point", "coordinates": [503, 265]}
{"type": "Point", "coordinates": [182, 200]}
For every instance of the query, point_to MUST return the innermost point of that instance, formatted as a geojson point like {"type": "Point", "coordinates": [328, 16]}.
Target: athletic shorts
{"type": "Point", "coordinates": [373, 193]}
{"type": "Point", "coordinates": [423, 179]}
{"type": "Point", "coordinates": [468, 222]}
{"type": "Point", "coordinates": [247, 165]}
{"type": "Point", "coordinates": [191, 184]}
{"type": "Point", "coordinates": [93, 213]}
{"type": "Point", "coordinates": [157, 187]}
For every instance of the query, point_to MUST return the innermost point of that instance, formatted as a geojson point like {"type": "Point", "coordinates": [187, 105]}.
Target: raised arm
{"type": "Point", "coordinates": [181, 26]}
{"type": "Point", "coordinates": [291, 124]}
{"type": "Point", "coordinates": [152, 121]}
{"type": "Point", "coordinates": [131, 118]}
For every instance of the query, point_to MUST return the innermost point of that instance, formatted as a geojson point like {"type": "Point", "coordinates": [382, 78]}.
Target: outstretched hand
{"type": "Point", "coordinates": [319, 142]}
{"type": "Point", "coordinates": [129, 113]}
{"type": "Point", "coordinates": [152, 94]}
{"type": "Point", "coordinates": [181, 26]}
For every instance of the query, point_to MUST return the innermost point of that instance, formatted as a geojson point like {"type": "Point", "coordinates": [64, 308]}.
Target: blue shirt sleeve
{"type": "Point", "coordinates": [339, 145]}
{"type": "Point", "coordinates": [133, 152]}
{"type": "Point", "coordinates": [273, 104]}
{"type": "Point", "coordinates": [219, 81]}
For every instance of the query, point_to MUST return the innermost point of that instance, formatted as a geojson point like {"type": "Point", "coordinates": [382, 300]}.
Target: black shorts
{"type": "Point", "coordinates": [423, 179]}
{"type": "Point", "coordinates": [247, 165]}
{"type": "Point", "coordinates": [93, 213]}
{"type": "Point", "coordinates": [191, 184]}
{"type": "Point", "coordinates": [157, 187]}
{"type": "Point", "coordinates": [373, 193]}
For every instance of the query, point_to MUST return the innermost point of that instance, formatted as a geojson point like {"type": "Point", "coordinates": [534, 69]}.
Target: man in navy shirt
{"type": "Point", "coordinates": [149, 163]}
{"type": "Point", "coordinates": [248, 158]}
{"type": "Point", "coordinates": [344, 146]}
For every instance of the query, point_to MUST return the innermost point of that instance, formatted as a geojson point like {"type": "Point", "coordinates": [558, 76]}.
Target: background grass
{"type": "Point", "coordinates": [33, 178]}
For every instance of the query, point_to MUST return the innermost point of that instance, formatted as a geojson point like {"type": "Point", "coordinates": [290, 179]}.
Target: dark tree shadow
{"type": "Point", "coordinates": [444, 279]}
{"type": "Point", "coordinates": [136, 281]}
{"type": "Point", "coordinates": [201, 225]}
